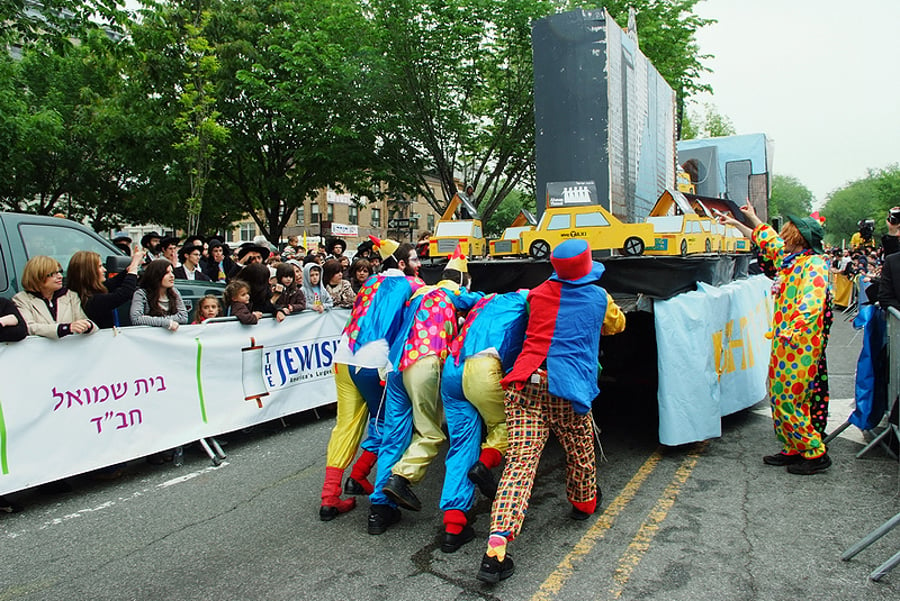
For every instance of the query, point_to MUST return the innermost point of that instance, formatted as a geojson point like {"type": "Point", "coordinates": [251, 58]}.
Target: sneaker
{"type": "Point", "coordinates": [782, 458]}
{"type": "Point", "coordinates": [808, 467]}
{"type": "Point", "coordinates": [493, 570]}
{"type": "Point", "coordinates": [381, 517]}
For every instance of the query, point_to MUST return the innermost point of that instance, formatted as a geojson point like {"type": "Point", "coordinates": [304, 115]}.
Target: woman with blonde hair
{"type": "Point", "coordinates": [49, 309]}
{"type": "Point", "coordinates": [100, 297]}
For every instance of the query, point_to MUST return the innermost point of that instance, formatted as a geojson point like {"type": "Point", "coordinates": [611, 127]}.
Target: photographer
{"type": "Point", "coordinates": [864, 236]}
{"type": "Point", "coordinates": [890, 242]}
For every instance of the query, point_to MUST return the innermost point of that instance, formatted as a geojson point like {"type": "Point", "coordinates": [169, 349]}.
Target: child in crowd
{"type": "Point", "coordinates": [156, 302]}
{"type": "Point", "coordinates": [337, 287]}
{"type": "Point", "coordinates": [317, 298]}
{"type": "Point", "coordinates": [256, 276]}
{"type": "Point", "coordinates": [208, 308]}
{"type": "Point", "coordinates": [237, 302]}
{"type": "Point", "coordinates": [286, 292]}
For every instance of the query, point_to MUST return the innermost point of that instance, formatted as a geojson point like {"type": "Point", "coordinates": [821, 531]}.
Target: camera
{"type": "Point", "coordinates": [867, 228]}
{"type": "Point", "coordinates": [894, 216]}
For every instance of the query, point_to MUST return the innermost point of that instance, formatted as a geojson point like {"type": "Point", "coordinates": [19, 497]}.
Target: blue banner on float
{"type": "Point", "coordinates": [712, 356]}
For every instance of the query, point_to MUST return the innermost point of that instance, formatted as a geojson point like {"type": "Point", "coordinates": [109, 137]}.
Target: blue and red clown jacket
{"type": "Point", "coordinates": [563, 335]}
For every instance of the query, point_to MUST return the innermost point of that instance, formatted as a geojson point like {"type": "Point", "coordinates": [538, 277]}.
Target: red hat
{"type": "Point", "coordinates": [572, 263]}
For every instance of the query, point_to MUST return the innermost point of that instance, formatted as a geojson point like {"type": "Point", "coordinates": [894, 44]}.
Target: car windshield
{"type": "Point", "coordinates": [671, 224]}
{"type": "Point", "coordinates": [513, 233]}
{"type": "Point", "coordinates": [453, 228]}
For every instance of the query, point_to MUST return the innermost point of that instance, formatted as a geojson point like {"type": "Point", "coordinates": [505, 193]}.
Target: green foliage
{"type": "Point", "coordinates": [868, 198]}
{"type": "Point", "coordinates": [789, 197]}
{"type": "Point", "coordinates": [52, 25]}
{"type": "Point", "coordinates": [508, 210]}
{"type": "Point", "coordinates": [60, 130]}
{"type": "Point", "coordinates": [456, 94]}
{"type": "Point", "coordinates": [706, 123]}
{"type": "Point", "coordinates": [212, 109]}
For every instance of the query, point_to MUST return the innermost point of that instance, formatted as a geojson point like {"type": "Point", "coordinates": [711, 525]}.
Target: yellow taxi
{"type": "Point", "coordinates": [601, 229]}
{"type": "Point", "coordinates": [735, 241]}
{"type": "Point", "coordinates": [450, 232]}
{"type": "Point", "coordinates": [510, 243]}
{"type": "Point", "coordinates": [683, 235]}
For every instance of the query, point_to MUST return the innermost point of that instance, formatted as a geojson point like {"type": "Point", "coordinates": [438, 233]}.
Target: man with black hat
{"type": "Point", "coordinates": [122, 241]}
{"type": "Point", "coordinates": [335, 247]}
{"type": "Point", "coordinates": [249, 253]}
{"type": "Point", "coordinates": [798, 335]}
{"type": "Point", "coordinates": [552, 386]}
{"type": "Point", "coordinates": [150, 241]}
{"type": "Point", "coordinates": [190, 255]}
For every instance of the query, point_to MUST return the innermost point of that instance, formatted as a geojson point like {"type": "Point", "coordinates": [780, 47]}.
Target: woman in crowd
{"type": "Point", "coordinates": [12, 325]}
{"type": "Point", "coordinates": [101, 297]}
{"type": "Point", "coordinates": [156, 302]}
{"type": "Point", "coordinates": [49, 309]}
{"type": "Point", "coordinates": [317, 298]}
{"type": "Point", "coordinates": [359, 273]}
{"type": "Point", "coordinates": [338, 288]}
{"type": "Point", "coordinates": [12, 329]}
{"type": "Point", "coordinates": [286, 291]}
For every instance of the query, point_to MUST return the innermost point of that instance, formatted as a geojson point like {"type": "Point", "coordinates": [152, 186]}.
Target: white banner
{"type": "Point", "coordinates": [341, 229]}
{"type": "Point", "coordinates": [713, 356]}
{"type": "Point", "coordinates": [83, 402]}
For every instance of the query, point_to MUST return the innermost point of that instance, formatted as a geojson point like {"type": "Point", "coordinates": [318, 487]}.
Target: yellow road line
{"type": "Point", "coordinates": [640, 544]}
{"type": "Point", "coordinates": [595, 533]}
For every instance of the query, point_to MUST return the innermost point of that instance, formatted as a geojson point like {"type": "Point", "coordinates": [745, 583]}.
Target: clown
{"type": "Point", "coordinates": [412, 422]}
{"type": "Point", "coordinates": [552, 386]}
{"type": "Point", "coordinates": [798, 336]}
{"type": "Point", "coordinates": [485, 349]}
{"type": "Point", "coordinates": [361, 355]}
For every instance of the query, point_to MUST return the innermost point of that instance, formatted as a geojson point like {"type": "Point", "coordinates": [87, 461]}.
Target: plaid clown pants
{"type": "Point", "coordinates": [530, 415]}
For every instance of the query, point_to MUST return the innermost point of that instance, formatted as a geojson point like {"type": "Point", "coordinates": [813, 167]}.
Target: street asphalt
{"type": "Point", "coordinates": [706, 521]}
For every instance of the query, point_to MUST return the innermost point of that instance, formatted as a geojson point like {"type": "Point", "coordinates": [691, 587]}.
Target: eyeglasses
{"type": "Point", "coordinates": [54, 273]}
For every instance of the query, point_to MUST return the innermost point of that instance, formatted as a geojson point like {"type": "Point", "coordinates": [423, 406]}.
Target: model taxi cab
{"type": "Point", "coordinates": [573, 210]}
{"type": "Point", "coordinates": [450, 232]}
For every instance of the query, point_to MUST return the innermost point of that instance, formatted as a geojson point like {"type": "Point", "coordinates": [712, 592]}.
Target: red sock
{"type": "Point", "coordinates": [587, 506]}
{"type": "Point", "coordinates": [454, 521]}
{"type": "Point", "coordinates": [490, 457]}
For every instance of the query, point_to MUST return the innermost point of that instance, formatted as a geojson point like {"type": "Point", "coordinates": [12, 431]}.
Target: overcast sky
{"type": "Point", "coordinates": [820, 77]}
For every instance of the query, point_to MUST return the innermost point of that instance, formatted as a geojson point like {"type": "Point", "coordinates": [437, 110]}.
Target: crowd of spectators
{"type": "Point", "coordinates": [259, 280]}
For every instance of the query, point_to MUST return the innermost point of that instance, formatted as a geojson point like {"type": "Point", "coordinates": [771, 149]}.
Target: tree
{"type": "Point", "coordinates": [59, 126]}
{"type": "Point", "coordinates": [789, 197]}
{"type": "Point", "coordinates": [291, 89]}
{"type": "Point", "coordinates": [708, 124]}
{"type": "Point", "coordinates": [508, 210]}
{"type": "Point", "coordinates": [53, 24]}
{"type": "Point", "coordinates": [458, 86]}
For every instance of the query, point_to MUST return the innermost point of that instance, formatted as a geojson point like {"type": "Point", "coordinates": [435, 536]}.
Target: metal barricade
{"type": "Point", "coordinates": [893, 385]}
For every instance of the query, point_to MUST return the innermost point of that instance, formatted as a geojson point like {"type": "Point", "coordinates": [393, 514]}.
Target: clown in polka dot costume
{"type": "Point", "coordinates": [797, 331]}
{"type": "Point", "coordinates": [798, 334]}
